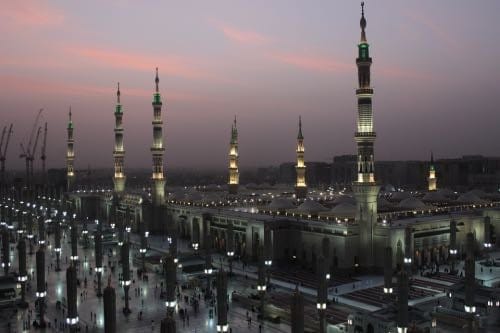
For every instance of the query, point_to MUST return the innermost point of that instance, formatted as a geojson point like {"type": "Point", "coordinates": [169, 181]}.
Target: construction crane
{"type": "Point", "coordinates": [3, 150]}
{"type": "Point", "coordinates": [28, 152]}
{"type": "Point", "coordinates": [43, 156]}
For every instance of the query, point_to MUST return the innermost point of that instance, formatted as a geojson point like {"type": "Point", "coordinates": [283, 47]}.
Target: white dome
{"type": "Point", "coordinates": [411, 203]}
{"type": "Point", "coordinates": [194, 196]}
{"type": "Point", "coordinates": [344, 199]}
{"type": "Point", "coordinates": [211, 196]}
{"type": "Point", "coordinates": [388, 188]}
{"type": "Point", "coordinates": [280, 204]}
{"type": "Point", "coordinates": [434, 196]}
{"type": "Point", "coordinates": [311, 207]}
{"type": "Point", "coordinates": [179, 195]}
{"type": "Point", "coordinates": [469, 198]}
{"type": "Point", "coordinates": [344, 210]}
{"type": "Point", "coordinates": [480, 193]}
{"type": "Point", "coordinates": [446, 192]}
{"type": "Point", "coordinates": [383, 203]}
{"type": "Point", "coordinates": [398, 196]}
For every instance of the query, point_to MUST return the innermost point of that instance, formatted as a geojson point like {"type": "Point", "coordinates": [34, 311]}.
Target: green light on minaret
{"type": "Point", "coordinates": [156, 98]}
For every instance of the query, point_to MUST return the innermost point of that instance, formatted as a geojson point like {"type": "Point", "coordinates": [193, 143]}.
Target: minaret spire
{"type": "Point", "coordinates": [157, 81]}
{"type": "Point", "coordinates": [70, 155]}
{"type": "Point", "coordinates": [157, 149]}
{"type": "Point", "coordinates": [300, 136]}
{"type": "Point", "coordinates": [365, 188]}
{"type": "Point", "coordinates": [234, 174]}
{"type": "Point", "coordinates": [362, 23]}
{"type": "Point", "coordinates": [118, 152]}
{"type": "Point", "coordinates": [118, 94]}
{"type": "Point", "coordinates": [300, 168]}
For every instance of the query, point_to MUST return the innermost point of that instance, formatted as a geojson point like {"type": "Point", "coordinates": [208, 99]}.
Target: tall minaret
{"type": "Point", "coordinates": [157, 149]}
{"type": "Point", "coordinates": [432, 175]}
{"type": "Point", "coordinates": [70, 156]}
{"type": "Point", "coordinates": [118, 152]}
{"type": "Point", "coordinates": [365, 189]}
{"type": "Point", "coordinates": [300, 168]}
{"type": "Point", "coordinates": [234, 174]}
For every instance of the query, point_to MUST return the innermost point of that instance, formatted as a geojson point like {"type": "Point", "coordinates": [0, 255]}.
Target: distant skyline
{"type": "Point", "coordinates": [435, 76]}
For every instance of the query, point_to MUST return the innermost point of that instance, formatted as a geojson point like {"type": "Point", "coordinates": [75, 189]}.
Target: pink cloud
{"type": "Point", "coordinates": [325, 64]}
{"type": "Point", "coordinates": [31, 13]}
{"type": "Point", "coordinates": [313, 62]}
{"type": "Point", "coordinates": [169, 65]}
{"type": "Point", "coordinates": [240, 36]}
{"type": "Point", "coordinates": [17, 84]}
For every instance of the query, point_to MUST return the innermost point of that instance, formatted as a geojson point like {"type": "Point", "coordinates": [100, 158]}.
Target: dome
{"type": "Point", "coordinates": [310, 207]}
{"type": "Point", "coordinates": [344, 199]}
{"type": "Point", "coordinates": [469, 198]}
{"type": "Point", "coordinates": [344, 210]}
{"type": "Point", "coordinates": [398, 196]}
{"type": "Point", "coordinates": [388, 188]}
{"type": "Point", "coordinates": [383, 203]}
{"type": "Point", "coordinates": [280, 204]}
{"type": "Point", "coordinates": [446, 192]}
{"type": "Point", "coordinates": [179, 195]}
{"type": "Point", "coordinates": [480, 193]}
{"type": "Point", "coordinates": [194, 196]}
{"type": "Point", "coordinates": [411, 204]}
{"type": "Point", "coordinates": [434, 196]}
{"type": "Point", "coordinates": [211, 196]}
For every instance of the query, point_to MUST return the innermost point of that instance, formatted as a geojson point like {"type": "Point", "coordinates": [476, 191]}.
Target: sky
{"type": "Point", "coordinates": [435, 74]}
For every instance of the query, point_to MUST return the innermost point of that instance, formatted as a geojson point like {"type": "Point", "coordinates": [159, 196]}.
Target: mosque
{"type": "Point", "coordinates": [366, 228]}
{"type": "Point", "coordinates": [350, 228]}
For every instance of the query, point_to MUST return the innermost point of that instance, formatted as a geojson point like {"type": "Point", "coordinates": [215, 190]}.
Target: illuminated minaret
{"type": "Point", "coordinates": [118, 152]}
{"type": "Point", "coordinates": [300, 168]}
{"type": "Point", "coordinates": [70, 156]}
{"type": "Point", "coordinates": [157, 149]}
{"type": "Point", "coordinates": [432, 175]}
{"type": "Point", "coordinates": [234, 174]}
{"type": "Point", "coordinates": [365, 189]}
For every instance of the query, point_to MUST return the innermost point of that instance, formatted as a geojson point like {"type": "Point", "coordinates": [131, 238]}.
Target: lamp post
{"type": "Point", "coordinates": [57, 242]}
{"type": "Point", "coordinates": [230, 246]}
{"type": "Point", "coordinates": [126, 274]}
{"type": "Point", "coordinates": [98, 256]}
{"type": "Point", "coordinates": [261, 283]}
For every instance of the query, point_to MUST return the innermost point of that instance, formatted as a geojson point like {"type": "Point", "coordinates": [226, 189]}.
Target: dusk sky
{"type": "Point", "coordinates": [435, 73]}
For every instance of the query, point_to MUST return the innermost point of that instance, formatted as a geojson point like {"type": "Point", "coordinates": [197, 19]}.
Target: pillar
{"type": "Point", "coordinates": [297, 312]}
{"type": "Point", "coordinates": [109, 309]}
{"type": "Point", "coordinates": [71, 296]}
{"type": "Point", "coordinates": [222, 324]}
{"type": "Point", "coordinates": [41, 291]}
{"type": "Point", "coordinates": [126, 275]}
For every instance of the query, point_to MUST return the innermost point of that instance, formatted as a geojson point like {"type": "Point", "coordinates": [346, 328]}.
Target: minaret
{"type": "Point", "coordinates": [365, 189]}
{"type": "Point", "coordinates": [157, 149]}
{"type": "Point", "coordinates": [118, 152]}
{"type": "Point", "coordinates": [432, 175]}
{"type": "Point", "coordinates": [70, 156]}
{"type": "Point", "coordinates": [300, 186]}
{"type": "Point", "coordinates": [234, 174]}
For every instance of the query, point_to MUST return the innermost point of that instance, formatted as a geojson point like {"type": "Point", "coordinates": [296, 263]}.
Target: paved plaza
{"type": "Point", "coordinates": [362, 292]}
{"type": "Point", "coordinates": [146, 299]}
